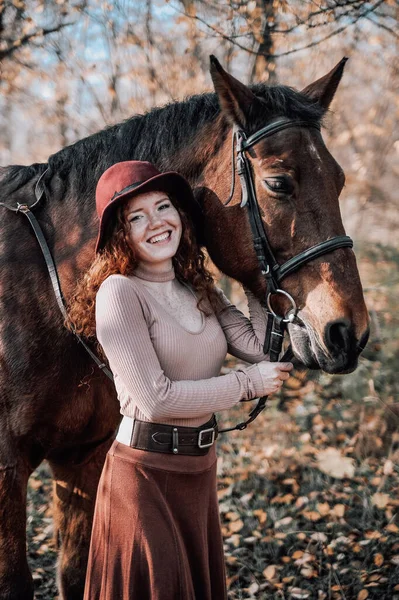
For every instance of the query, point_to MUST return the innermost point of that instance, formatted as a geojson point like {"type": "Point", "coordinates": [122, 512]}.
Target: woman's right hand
{"type": "Point", "coordinates": [273, 375]}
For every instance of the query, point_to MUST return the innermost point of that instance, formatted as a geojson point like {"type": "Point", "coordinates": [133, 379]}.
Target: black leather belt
{"type": "Point", "coordinates": [171, 439]}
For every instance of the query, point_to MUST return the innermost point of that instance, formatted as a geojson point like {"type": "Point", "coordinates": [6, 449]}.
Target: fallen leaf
{"type": "Point", "coordinates": [319, 537]}
{"type": "Point", "coordinates": [380, 500]}
{"type": "Point", "coordinates": [246, 497]}
{"type": "Point", "coordinates": [388, 467]}
{"type": "Point", "coordinates": [261, 514]}
{"type": "Point", "coordinates": [362, 595]}
{"type": "Point", "coordinates": [235, 539]}
{"type": "Point", "coordinates": [311, 515]}
{"type": "Point", "coordinates": [299, 593]}
{"type": "Point", "coordinates": [253, 588]}
{"type": "Point", "coordinates": [378, 560]}
{"type": "Point", "coordinates": [283, 522]}
{"type": "Point", "coordinates": [305, 558]}
{"type": "Point", "coordinates": [323, 508]}
{"type": "Point", "coordinates": [331, 462]}
{"type": "Point", "coordinates": [231, 580]}
{"type": "Point", "coordinates": [270, 572]}
{"type": "Point", "coordinates": [286, 499]}
{"type": "Point", "coordinates": [308, 572]}
{"type": "Point", "coordinates": [232, 516]}
{"type": "Point", "coordinates": [235, 526]}
{"type": "Point", "coordinates": [225, 492]}
{"type": "Point", "coordinates": [251, 539]}
{"type": "Point", "coordinates": [373, 535]}
{"type": "Point", "coordinates": [339, 510]}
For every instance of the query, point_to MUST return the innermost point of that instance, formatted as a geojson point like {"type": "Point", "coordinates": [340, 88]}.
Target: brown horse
{"type": "Point", "coordinates": [54, 403]}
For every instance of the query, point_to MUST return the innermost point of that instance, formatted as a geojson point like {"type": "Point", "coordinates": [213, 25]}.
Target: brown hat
{"type": "Point", "coordinates": [126, 179]}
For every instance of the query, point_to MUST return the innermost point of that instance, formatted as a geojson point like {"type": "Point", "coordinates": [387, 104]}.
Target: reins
{"type": "Point", "coordinates": [50, 264]}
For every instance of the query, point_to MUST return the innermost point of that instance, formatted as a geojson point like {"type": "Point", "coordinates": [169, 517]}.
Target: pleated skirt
{"type": "Point", "coordinates": [156, 531]}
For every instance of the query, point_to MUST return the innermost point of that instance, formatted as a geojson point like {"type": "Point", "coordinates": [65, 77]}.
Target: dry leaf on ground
{"type": "Point", "coordinates": [380, 500]}
{"type": "Point", "coordinates": [331, 462]}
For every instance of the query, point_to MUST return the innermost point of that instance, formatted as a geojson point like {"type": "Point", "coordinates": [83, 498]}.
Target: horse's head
{"type": "Point", "coordinates": [297, 184]}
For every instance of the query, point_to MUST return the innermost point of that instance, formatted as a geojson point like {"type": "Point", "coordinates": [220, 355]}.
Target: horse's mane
{"type": "Point", "coordinates": [152, 137]}
{"type": "Point", "coordinates": [14, 177]}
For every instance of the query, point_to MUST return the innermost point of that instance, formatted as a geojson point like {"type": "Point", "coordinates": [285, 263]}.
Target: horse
{"type": "Point", "coordinates": [55, 404]}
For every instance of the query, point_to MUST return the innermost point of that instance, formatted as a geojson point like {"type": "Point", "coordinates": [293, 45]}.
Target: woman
{"type": "Point", "coordinates": [165, 330]}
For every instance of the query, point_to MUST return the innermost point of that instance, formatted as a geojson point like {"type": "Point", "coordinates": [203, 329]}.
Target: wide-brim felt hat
{"type": "Point", "coordinates": [126, 179]}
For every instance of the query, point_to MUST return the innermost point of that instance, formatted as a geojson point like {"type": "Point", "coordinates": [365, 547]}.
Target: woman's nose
{"type": "Point", "coordinates": [155, 219]}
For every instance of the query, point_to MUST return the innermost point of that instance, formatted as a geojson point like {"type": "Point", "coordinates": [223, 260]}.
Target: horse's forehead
{"type": "Point", "coordinates": [298, 147]}
{"type": "Point", "coordinates": [314, 152]}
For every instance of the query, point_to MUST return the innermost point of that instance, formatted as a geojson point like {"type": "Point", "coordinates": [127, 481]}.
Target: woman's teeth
{"type": "Point", "coordinates": [159, 238]}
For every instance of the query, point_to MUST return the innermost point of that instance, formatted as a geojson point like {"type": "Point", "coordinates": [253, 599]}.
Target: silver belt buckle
{"type": "Point", "coordinates": [200, 444]}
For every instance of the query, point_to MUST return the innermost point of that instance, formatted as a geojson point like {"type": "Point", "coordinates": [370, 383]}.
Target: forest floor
{"type": "Point", "coordinates": [309, 498]}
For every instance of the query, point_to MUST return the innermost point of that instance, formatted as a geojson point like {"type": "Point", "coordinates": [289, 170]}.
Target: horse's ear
{"type": "Point", "coordinates": [235, 98]}
{"type": "Point", "coordinates": [323, 90]}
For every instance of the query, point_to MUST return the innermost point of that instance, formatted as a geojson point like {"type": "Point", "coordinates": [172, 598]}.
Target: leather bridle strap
{"type": "Point", "coordinates": [273, 128]}
{"type": "Point", "coordinates": [55, 282]}
{"type": "Point", "coordinates": [52, 269]}
{"type": "Point", "coordinates": [294, 263]}
{"type": "Point", "coordinates": [271, 269]}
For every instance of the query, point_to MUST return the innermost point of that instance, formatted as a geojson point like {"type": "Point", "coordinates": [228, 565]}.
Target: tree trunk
{"type": "Point", "coordinates": [264, 65]}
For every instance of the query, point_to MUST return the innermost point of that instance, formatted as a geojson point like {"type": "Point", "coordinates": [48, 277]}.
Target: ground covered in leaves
{"type": "Point", "coordinates": [309, 498]}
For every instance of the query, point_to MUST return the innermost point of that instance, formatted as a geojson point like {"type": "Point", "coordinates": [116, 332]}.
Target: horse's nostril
{"type": "Point", "coordinates": [338, 335]}
{"type": "Point", "coordinates": [363, 340]}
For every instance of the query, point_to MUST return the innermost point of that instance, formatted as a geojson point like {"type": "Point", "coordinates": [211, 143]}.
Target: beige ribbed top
{"type": "Point", "coordinates": [165, 373]}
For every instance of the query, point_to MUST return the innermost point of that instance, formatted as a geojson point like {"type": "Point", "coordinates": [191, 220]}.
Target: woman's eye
{"type": "Point", "coordinates": [279, 185]}
{"type": "Point", "coordinates": [165, 205]}
{"type": "Point", "coordinates": [135, 218]}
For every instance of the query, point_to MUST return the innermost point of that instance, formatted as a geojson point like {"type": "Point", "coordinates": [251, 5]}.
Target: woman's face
{"type": "Point", "coordinates": [155, 229]}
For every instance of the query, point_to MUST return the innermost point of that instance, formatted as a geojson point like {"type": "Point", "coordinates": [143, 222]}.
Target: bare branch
{"type": "Point", "coordinates": [382, 26]}
{"type": "Point", "coordinates": [337, 31]}
{"type": "Point", "coordinates": [17, 44]}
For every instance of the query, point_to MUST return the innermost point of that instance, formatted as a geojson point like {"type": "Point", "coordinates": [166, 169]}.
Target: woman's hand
{"type": "Point", "coordinates": [273, 375]}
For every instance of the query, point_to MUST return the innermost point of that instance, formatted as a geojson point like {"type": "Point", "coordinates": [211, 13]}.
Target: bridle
{"type": "Point", "coordinates": [271, 270]}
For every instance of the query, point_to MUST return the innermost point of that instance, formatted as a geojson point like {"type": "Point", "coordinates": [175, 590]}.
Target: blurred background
{"type": "Point", "coordinates": [69, 69]}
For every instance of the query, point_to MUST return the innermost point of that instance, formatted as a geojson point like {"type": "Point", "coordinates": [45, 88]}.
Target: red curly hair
{"type": "Point", "coordinates": [118, 256]}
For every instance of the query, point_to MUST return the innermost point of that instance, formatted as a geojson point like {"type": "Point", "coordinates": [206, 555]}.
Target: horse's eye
{"type": "Point", "coordinates": [279, 184]}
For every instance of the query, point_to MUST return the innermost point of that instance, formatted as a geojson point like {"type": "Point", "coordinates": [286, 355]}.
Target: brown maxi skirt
{"type": "Point", "coordinates": [156, 531]}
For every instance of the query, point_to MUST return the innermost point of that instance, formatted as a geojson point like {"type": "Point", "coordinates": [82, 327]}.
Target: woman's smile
{"type": "Point", "coordinates": [160, 238]}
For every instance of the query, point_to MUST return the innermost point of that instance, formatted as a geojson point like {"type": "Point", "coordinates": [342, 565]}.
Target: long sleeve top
{"type": "Point", "coordinates": [165, 373]}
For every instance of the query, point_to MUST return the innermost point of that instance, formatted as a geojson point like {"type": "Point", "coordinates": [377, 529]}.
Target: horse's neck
{"type": "Point", "coordinates": [205, 159]}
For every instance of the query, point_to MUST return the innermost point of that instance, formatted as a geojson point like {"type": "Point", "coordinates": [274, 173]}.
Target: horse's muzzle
{"type": "Point", "coordinates": [337, 352]}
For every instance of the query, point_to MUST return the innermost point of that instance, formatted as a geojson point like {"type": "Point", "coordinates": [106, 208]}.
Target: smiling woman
{"type": "Point", "coordinates": [165, 330]}
{"type": "Point", "coordinates": [155, 229]}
